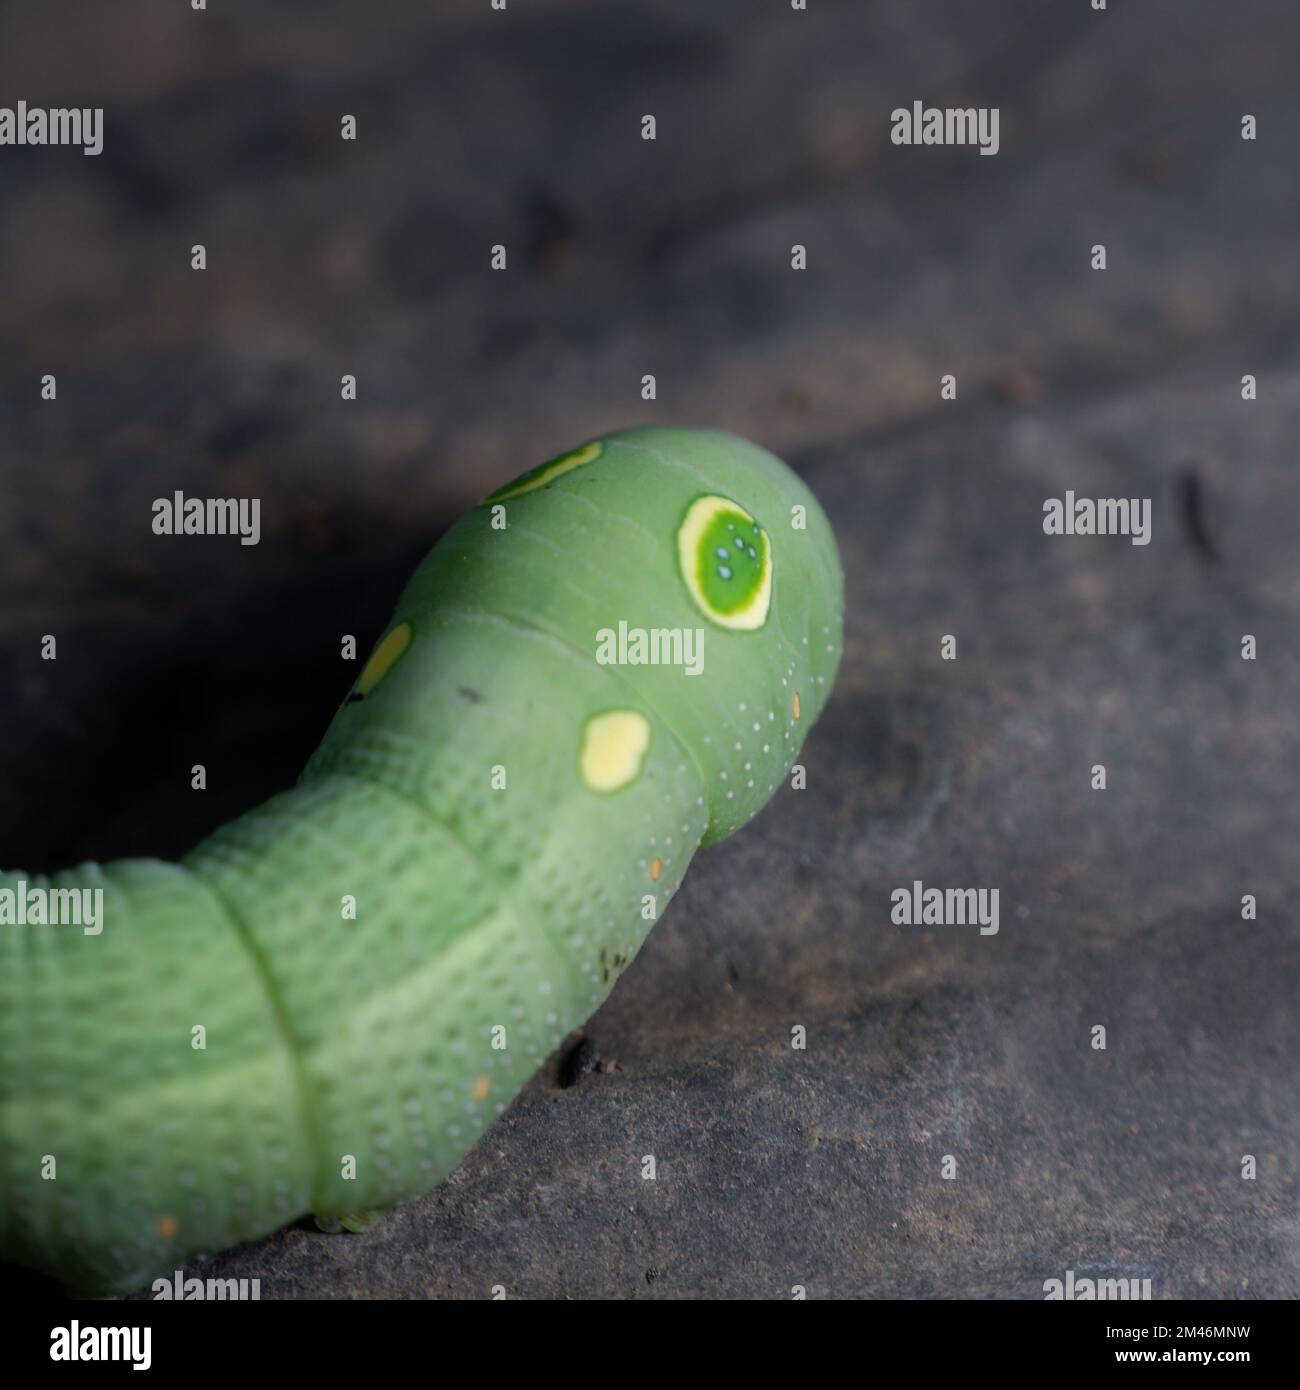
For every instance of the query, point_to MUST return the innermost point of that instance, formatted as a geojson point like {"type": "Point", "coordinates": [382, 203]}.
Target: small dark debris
{"type": "Point", "coordinates": [581, 1060]}
{"type": "Point", "coordinates": [1194, 519]}
{"type": "Point", "coordinates": [472, 696]}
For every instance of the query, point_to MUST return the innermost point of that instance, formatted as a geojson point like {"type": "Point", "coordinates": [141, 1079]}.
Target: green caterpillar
{"type": "Point", "coordinates": [324, 1005]}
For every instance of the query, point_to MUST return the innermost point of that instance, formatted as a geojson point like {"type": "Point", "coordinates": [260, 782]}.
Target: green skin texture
{"type": "Point", "coordinates": [477, 909]}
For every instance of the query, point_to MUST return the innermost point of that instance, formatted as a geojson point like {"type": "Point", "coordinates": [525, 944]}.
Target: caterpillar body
{"type": "Point", "coordinates": [323, 1005]}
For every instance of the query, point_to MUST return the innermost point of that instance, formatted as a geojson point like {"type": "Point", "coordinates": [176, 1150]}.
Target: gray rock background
{"type": "Point", "coordinates": [776, 1168]}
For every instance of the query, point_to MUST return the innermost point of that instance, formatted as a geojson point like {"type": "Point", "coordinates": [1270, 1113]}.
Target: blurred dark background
{"type": "Point", "coordinates": [1121, 908]}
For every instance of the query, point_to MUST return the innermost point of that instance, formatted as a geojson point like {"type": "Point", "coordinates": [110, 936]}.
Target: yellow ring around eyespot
{"type": "Point", "coordinates": [690, 533]}
{"type": "Point", "coordinates": [383, 658]}
{"type": "Point", "coordinates": [548, 472]}
{"type": "Point", "coordinates": [613, 748]}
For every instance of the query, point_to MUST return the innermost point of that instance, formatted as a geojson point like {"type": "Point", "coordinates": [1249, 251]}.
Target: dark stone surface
{"type": "Point", "coordinates": [776, 1168]}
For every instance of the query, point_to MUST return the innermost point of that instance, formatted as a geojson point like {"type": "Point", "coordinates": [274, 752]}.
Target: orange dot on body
{"type": "Point", "coordinates": [481, 1087]}
{"type": "Point", "coordinates": [168, 1226]}
{"type": "Point", "coordinates": [656, 868]}
{"type": "Point", "coordinates": [794, 704]}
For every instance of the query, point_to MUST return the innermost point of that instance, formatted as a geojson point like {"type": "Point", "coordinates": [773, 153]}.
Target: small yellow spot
{"type": "Point", "coordinates": [481, 1087]}
{"type": "Point", "coordinates": [383, 658]}
{"type": "Point", "coordinates": [613, 746]}
{"type": "Point", "coordinates": [794, 704]}
{"type": "Point", "coordinates": [656, 868]}
{"type": "Point", "coordinates": [548, 472]}
{"type": "Point", "coordinates": [168, 1226]}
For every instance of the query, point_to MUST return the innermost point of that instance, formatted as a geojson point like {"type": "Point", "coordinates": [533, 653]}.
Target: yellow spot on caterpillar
{"type": "Point", "coordinates": [481, 1087]}
{"type": "Point", "coordinates": [613, 746]}
{"type": "Point", "coordinates": [794, 705]}
{"type": "Point", "coordinates": [656, 868]}
{"type": "Point", "coordinates": [548, 472]}
{"type": "Point", "coordinates": [711, 527]}
{"type": "Point", "coordinates": [168, 1226]}
{"type": "Point", "coordinates": [383, 658]}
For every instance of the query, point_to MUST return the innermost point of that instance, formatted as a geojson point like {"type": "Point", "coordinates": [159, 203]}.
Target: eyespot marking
{"type": "Point", "coordinates": [613, 748]}
{"type": "Point", "coordinates": [382, 660]}
{"type": "Point", "coordinates": [725, 559]}
{"type": "Point", "coordinates": [550, 470]}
